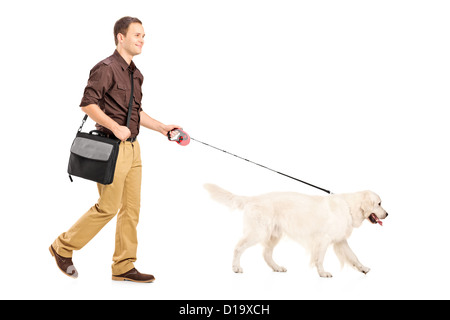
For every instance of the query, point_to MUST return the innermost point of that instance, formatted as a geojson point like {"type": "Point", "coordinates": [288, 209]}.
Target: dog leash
{"type": "Point", "coordinates": [183, 139]}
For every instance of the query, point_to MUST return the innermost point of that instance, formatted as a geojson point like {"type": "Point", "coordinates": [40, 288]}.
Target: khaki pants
{"type": "Point", "coordinates": [123, 196]}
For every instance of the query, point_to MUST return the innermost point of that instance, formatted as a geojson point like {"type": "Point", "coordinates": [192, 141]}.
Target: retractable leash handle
{"type": "Point", "coordinates": [179, 136]}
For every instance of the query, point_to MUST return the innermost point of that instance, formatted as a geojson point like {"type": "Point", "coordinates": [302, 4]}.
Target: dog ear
{"type": "Point", "coordinates": [366, 203]}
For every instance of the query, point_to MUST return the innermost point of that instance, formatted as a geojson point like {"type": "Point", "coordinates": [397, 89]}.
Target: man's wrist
{"type": "Point", "coordinates": [114, 127]}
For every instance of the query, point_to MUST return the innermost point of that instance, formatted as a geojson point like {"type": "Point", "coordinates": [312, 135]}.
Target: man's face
{"type": "Point", "coordinates": [134, 39]}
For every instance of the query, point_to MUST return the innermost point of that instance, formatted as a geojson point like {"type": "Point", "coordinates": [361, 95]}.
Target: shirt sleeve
{"type": "Point", "coordinates": [141, 80]}
{"type": "Point", "coordinates": [100, 80]}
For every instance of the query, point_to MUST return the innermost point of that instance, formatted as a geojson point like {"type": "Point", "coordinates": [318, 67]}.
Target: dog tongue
{"type": "Point", "coordinates": [374, 216]}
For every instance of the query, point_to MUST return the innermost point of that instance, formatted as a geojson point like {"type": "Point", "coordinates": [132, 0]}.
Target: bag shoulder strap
{"type": "Point", "coordinates": [130, 104]}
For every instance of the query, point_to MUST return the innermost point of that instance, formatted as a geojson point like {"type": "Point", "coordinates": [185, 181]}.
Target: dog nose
{"type": "Point", "coordinates": [387, 214]}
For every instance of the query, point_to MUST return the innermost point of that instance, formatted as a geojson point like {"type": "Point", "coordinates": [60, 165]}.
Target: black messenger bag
{"type": "Point", "coordinates": [93, 155]}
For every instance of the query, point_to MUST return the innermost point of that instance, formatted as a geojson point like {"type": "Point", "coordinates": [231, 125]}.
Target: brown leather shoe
{"type": "Point", "coordinates": [64, 264]}
{"type": "Point", "coordinates": [135, 276]}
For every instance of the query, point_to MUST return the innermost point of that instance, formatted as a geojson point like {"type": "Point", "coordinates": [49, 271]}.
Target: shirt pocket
{"type": "Point", "coordinates": [119, 94]}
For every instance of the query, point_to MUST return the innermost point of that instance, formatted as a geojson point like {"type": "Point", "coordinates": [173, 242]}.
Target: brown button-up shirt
{"type": "Point", "coordinates": [109, 87]}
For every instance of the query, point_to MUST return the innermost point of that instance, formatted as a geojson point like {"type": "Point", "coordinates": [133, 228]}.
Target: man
{"type": "Point", "coordinates": [106, 98]}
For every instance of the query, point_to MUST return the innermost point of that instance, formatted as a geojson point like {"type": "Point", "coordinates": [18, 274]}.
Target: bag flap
{"type": "Point", "coordinates": [91, 149]}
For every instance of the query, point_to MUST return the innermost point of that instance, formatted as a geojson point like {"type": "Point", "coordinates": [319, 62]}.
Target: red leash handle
{"type": "Point", "coordinates": [179, 136]}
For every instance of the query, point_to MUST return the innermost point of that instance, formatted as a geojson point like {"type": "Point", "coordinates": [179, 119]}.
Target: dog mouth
{"type": "Point", "coordinates": [374, 219]}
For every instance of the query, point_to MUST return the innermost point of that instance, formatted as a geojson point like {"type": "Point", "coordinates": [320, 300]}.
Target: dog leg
{"type": "Point", "coordinates": [243, 244]}
{"type": "Point", "coordinates": [268, 251]}
{"type": "Point", "coordinates": [317, 257]}
{"type": "Point", "coordinates": [345, 254]}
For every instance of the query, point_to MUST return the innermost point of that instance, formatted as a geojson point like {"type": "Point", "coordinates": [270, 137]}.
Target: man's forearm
{"type": "Point", "coordinates": [153, 124]}
{"type": "Point", "coordinates": [150, 123]}
{"type": "Point", "coordinates": [96, 114]}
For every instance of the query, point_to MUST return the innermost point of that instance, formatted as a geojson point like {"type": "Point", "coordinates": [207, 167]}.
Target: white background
{"type": "Point", "coordinates": [348, 95]}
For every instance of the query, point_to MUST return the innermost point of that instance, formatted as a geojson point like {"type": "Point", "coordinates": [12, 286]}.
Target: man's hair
{"type": "Point", "coordinates": [122, 25]}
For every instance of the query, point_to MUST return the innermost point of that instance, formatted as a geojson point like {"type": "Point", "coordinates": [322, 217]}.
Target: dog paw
{"type": "Point", "coordinates": [364, 270]}
{"type": "Point", "coordinates": [279, 269]}
{"type": "Point", "coordinates": [237, 269]}
{"type": "Point", "coordinates": [325, 274]}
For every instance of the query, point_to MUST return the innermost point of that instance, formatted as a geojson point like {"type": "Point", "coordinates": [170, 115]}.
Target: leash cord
{"type": "Point", "coordinates": [283, 174]}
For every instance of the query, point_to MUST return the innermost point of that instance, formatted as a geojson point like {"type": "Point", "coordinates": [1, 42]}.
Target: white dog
{"type": "Point", "coordinates": [314, 221]}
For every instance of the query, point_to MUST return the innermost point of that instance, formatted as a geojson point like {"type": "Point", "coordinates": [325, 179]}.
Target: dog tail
{"type": "Point", "coordinates": [224, 197]}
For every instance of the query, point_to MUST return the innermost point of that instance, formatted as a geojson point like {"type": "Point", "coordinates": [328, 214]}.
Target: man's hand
{"type": "Point", "coordinates": [122, 133]}
{"type": "Point", "coordinates": [168, 128]}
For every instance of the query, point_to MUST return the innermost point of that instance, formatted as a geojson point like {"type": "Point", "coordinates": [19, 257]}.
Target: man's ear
{"type": "Point", "coordinates": [120, 37]}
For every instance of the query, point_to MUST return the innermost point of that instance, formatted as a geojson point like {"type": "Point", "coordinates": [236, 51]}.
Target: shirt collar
{"type": "Point", "coordinates": [123, 63]}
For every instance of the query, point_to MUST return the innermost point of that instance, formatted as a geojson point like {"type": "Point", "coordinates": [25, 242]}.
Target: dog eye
{"type": "Point", "coordinates": [379, 204]}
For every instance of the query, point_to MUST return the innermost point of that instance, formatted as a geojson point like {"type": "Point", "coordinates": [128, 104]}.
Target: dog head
{"type": "Point", "coordinates": [372, 209]}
